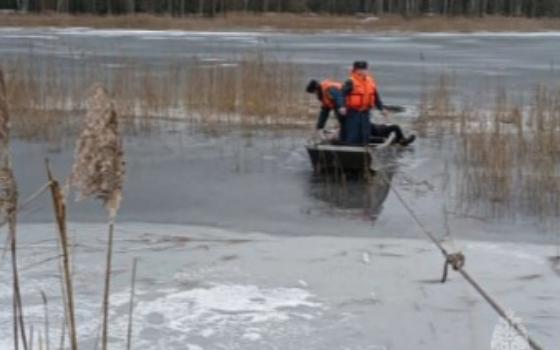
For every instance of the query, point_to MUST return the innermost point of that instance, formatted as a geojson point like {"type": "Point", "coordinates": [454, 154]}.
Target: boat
{"type": "Point", "coordinates": [328, 155]}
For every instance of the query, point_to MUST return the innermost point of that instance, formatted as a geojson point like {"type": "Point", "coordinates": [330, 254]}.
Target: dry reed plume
{"type": "Point", "coordinates": [99, 170]}
{"type": "Point", "coordinates": [99, 167]}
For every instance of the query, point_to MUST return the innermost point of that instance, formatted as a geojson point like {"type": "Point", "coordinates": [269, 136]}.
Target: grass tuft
{"type": "Point", "coordinates": [508, 157]}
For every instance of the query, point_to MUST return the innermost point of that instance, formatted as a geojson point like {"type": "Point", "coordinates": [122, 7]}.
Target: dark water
{"type": "Point", "coordinates": [262, 180]}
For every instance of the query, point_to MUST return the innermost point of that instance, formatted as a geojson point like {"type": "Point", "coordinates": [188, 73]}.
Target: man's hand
{"type": "Point", "coordinates": [342, 111]}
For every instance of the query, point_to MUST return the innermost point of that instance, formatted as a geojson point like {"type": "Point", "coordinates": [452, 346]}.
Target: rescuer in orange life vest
{"type": "Point", "coordinates": [361, 96]}
{"type": "Point", "coordinates": [330, 94]}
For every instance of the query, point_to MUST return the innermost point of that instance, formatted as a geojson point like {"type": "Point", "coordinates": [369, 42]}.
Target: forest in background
{"type": "Point", "coordinates": [210, 8]}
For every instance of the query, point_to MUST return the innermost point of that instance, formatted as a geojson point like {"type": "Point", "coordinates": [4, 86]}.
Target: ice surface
{"type": "Point", "coordinates": [210, 288]}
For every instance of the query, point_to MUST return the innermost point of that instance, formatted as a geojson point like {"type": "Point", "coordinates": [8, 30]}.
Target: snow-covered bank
{"type": "Point", "coordinates": [47, 32]}
{"type": "Point", "coordinates": [208, 288]}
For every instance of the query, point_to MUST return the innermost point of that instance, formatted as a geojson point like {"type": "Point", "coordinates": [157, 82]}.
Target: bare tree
{"type": "Point", "coordinates": [527, 8]}
{"type": "Point", "coordinates": [379, 7]}
{"type": "Point", "coordinates": [131, 6]}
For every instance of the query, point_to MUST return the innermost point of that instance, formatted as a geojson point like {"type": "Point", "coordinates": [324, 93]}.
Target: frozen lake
{"type": "Point", "coordinates": [242, 247]}
{"type": "Point", "coordinates": [402, 62]}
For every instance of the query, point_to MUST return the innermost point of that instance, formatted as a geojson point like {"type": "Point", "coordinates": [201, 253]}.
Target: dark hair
{"type": "Point", "coordinates": [360, 65]}
{"type": "Point", "coordinates": [312, 86]}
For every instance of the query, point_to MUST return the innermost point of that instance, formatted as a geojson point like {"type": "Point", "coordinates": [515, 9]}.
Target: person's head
{"type": "Point", "coordinates": [360, 67]}
{"type": "Point", "coordinates": [313, 86]}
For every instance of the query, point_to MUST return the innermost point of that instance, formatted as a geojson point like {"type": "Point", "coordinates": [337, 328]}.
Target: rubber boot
{"type": "Point", "coordinates": [408, 140]}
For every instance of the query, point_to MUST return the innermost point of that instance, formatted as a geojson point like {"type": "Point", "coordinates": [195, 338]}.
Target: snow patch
{"type": "Point", "coordinates": [222, 307]}
{"type": "Point", "coordinates": [194, 347]}
{"type": "Point", "coordinates": [252, 336]}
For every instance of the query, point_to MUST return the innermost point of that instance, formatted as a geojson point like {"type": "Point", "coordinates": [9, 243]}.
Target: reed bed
{"type": "Point", "coordinates": [306, 22]}
{"type": "Point", "coordinates": [437, 112]}
{"type": "Point", "coordinates": [508, 156]}
{"type": "Point", "coordinates": [48, 99]}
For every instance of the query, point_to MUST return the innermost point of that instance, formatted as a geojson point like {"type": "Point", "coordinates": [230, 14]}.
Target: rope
{"type": "Point", "coordinates": [33, 196]}
{"type": "Point", "coordinates": [21, 208]}
{"type": "Point", "coordinates": [457, 262]}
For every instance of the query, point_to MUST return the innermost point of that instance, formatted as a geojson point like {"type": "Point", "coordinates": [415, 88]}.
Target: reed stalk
{"type": "Point", "coordinates": [8, 211]}
{"type": "Point", "coordinates": [46, 316]}
{"type": "Point", "coordinates": [59, 206]}
{"type": "Point", "coordinates": [107, 286]}
{"type": "Point", "coordinates": [63, 332]}
{"type": "Point", "coordinates": [31, 336]}
{"type": "Point", "coordinates": [19, 324]}
{"type": "Point", "coordinates": [131, 305]}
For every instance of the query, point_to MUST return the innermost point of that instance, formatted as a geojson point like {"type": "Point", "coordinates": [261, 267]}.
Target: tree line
{"type": "Point", "coordinates": [407, 8]}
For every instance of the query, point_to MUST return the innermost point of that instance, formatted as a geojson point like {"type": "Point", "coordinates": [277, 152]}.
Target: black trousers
{"type": "Point", "coordinates": [383, 130]}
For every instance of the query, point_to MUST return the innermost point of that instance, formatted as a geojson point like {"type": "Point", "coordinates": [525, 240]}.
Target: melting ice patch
{"type": "Point", "coordinates": [247, 303]}
{"type": "Point", "coordinates": [244, 313]}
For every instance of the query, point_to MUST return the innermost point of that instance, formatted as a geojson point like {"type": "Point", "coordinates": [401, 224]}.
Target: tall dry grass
{"type": "Point", "coordinates": [253, 91]}
{"type": "Point", "coordinates": [285, 22]}
{"type": "Point", "coordinates": [437, 111]}
{"type": "Point", "coordinates": [8, 213]}
{"type": "Point", "coordinates": [48, 99]}
{"type": "Point", "coordinates": [508, 156]}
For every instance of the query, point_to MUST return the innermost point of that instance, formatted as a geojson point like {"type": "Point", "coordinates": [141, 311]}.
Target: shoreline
{"type": "Point", "coordinates": [298, 23]}
{"type": "Point", "coordinates": [13, 31]}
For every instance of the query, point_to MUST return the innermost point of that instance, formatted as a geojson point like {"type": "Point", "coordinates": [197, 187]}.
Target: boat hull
{"type": "Point", "coordinates": [326, 156]}
{"type": "Point", "coordinates": [346, 158]}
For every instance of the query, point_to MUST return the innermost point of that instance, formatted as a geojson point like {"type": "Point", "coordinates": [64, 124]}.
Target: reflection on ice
{"type": "Point", "coordinates": [365, 195]}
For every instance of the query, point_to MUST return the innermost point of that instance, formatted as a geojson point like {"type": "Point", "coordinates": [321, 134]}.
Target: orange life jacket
{"type": "Point", "coordinates": [327, 99]}
{"type": "Point", "coordinates": [362, 97]}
